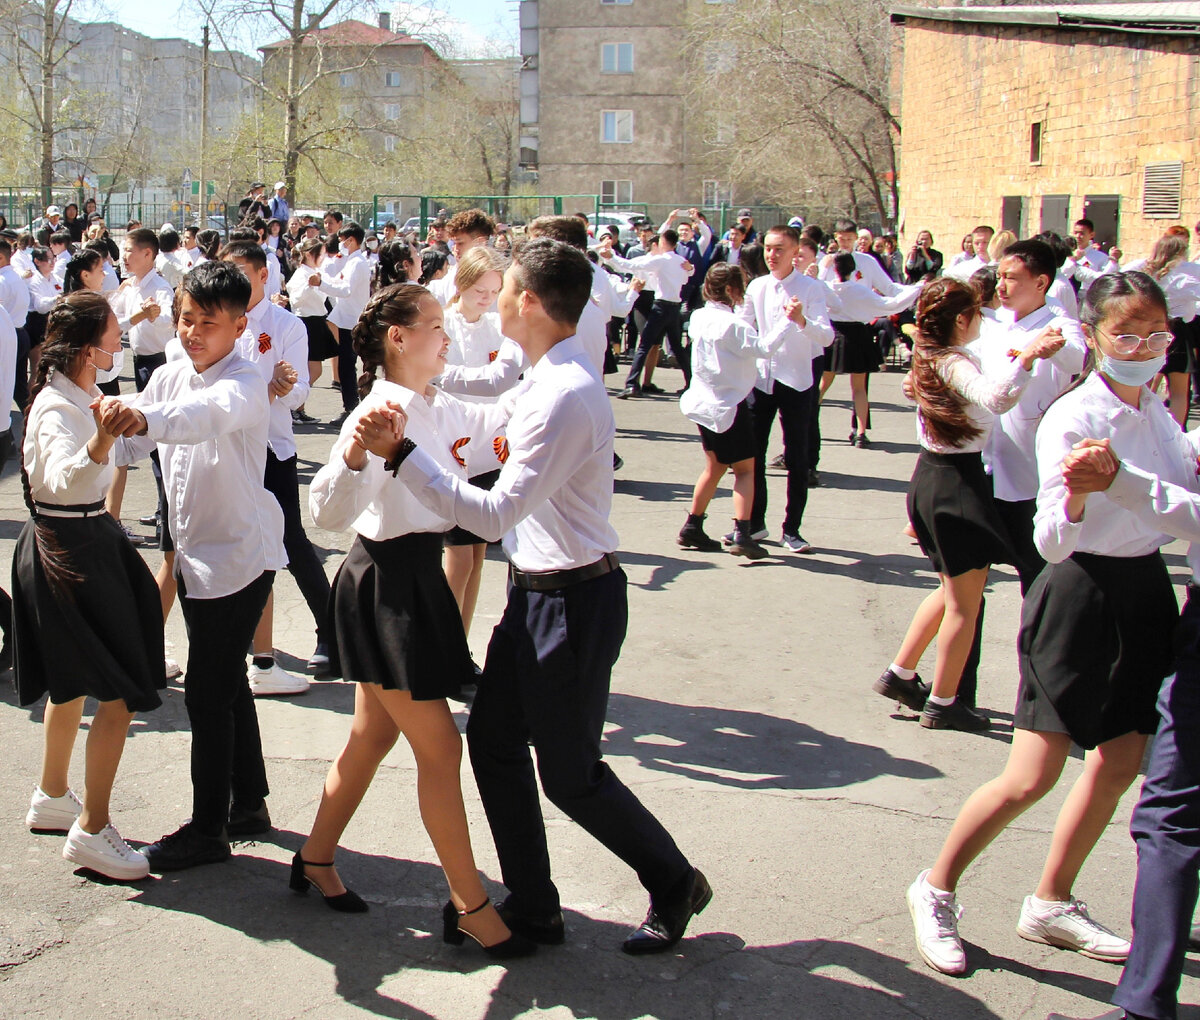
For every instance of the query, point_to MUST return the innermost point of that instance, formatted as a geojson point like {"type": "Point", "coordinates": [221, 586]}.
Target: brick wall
{"type": "Point", "coordinates": [1109, 103]}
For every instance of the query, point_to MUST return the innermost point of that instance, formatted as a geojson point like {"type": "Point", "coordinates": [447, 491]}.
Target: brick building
{"type": "Point", "coordinates": [1032, 116]}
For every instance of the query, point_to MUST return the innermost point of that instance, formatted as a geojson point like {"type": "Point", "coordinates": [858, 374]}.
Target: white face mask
{"type": "Point", "coordinates": [104, 375]}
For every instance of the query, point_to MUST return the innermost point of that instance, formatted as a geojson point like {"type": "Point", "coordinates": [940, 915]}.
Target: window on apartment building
{"type": "Point", "coordinates": [1035, 142]}
{"type": "Point", "coordinates": [391, 111]}
{"type": "Point", "coordinates": [389, 143]}
{"type": "Point", "coordinates": [346, 79]}
{"type": "Point", "coordinates": [616, 58]}
{"type": "Point", "coordinates": [391, 79]}
{"type": "Point", "coordinates": [716, 193]}
{"type": "Point", "coordinates": [616, 192]}
{"type": "Point", "coordinates": [615, 3]}
{"type": "Point", "coordinates": [127, 56]}
{"type": "Point", "coordinates": [616, 126]}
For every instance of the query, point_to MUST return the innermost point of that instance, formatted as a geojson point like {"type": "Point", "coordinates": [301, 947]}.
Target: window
{"type": "Point", "coordinates": [1162, 190]}
{"type": "Point", "coordinates": [616, 192]}
{"type": "Point", "coordinates": [616, 58]}
{"type": "Point", "coordinates": [391, 111]}
{"type": "Point", "coordinates": [616, 126]}
{"type": "Point", "coordinates": [615, 3]}
{"type": "Point", "coordinates": [1035, 142]}
{"type": "Point", "coordinates": [389, 143]}
{"type": "Point", "coordinates": [345, 79]}
{"type": "Point", "coordinates": [127, 56]}
{"type": "Point", "coordinates": [392, 79]}
{"type": "Point", "coordinates": [717, 193]}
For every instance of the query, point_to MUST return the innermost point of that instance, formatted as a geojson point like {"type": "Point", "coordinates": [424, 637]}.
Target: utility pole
{"type": "Point", "coordinates": [204, 130]}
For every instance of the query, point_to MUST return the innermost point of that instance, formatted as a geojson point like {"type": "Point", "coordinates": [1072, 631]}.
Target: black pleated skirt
{"type": "Point", "coordinates": [104, 639]}
{"type": "Point", "coordinates": [458, 535]}
{"type": "Point", "coordinates": [1094, 647]}
{"type": "Point", "coordinates": [1177, 353]}
{"type": "Point", "coordinates": [854, 349]}
{"type": "Point", "coordinates": [953, 512]}
{"type": "Point", "coordinates": [322, 345]}
{"type": "Point", "coordinates": [395, 618]}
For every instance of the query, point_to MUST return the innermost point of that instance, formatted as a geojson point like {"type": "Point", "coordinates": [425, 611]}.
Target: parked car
{"type": "Point", "coordinates": [624, 221]}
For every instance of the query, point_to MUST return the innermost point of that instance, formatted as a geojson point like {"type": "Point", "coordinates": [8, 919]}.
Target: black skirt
{"type": "Point", "coordinates": [459, 535]}
{"type": "Point", "coordinates": [854, 350]}
{"type": "Point", "coordinates": [953, 512]}
{"type": "Point", "coordinates": [1177, 353]}
{"type": "Point", "coordinates": [105, 638]}
{"type": "Point", "coordinates": [736, 443]}
{"type": "Point", "coordinates": [321, 342]}
{"type": "Point", "coordinates": [395, 618]}
{"type": "Point", "coordinates": [1094, 647]}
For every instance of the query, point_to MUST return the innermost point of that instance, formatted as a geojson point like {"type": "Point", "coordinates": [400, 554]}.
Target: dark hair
{"type": "Point", "coordinates": [192, 228]}
{"type": "Point", "coordinates": [568, 229]}
{"type": "Point", "coordinates": [671, 236]}
{"type": "Point", "coordinates": [983, 280]}
{"type": "Point", "coordinates": [244, 234]}
{"type": "Point", "coordinates": [558, 275]}
{"type": "Point", "coordinates": [724, 284]}
{"type": "Point", "coordinates": [1036, 256]}
{"type": "Point", "coordinates": [393, 255]}
{"type": "Point", "coordinates": [74, 324]}
{"type": "Point", "coordinates": [1086, 224]}
{"type": "Point", "coordinates": [810, 244]}
{"type": "Point", "coordinates": [844, 265]}
{"type": "Point", "coordinates": [246, 250]}
{"type": "Point", "coordinates": [168, 240]}
{"type": "Point", "coordinates": [352, 229]}
{"type": "Point", "coordinates": [1062, 250]}
{"type": "Point", "coordinates": [471, 221]}
{"type": "Point", "coordinates": [397, 305]}
{"type": "Point", "coordinates": [752, 262]}
{"type": "Point", "coordinates": [943, 409]}
{"type": "Point", "coordinates": [782, 228]}
{"type": "Point", "coordinates": [5, 247]}
{"type": "Point", "coordinates": [337, 216]}
{"type": "Point", "coordinates": [983, 228]}
{"type": "Point", "coordinates": [432, 260]}
{"type": "Point", "coordinates": [71, 205]}
{"type": "Point", "coordinates": [844, 226]}
{"type": "Point", "coordinates": [61, 237]}
{"type": "Point", "coordinates": [218, 285]}
{"type": "Point", "coordinates": [143, 238]}
{"type": "Point", "coordinates": [82, 261]}
{"type": "Point", "coordinates": [209, 242]}
{"type": "Point", "coordinates": [39, 254]}
{"type": "Point", "coordinates": [813, 233]}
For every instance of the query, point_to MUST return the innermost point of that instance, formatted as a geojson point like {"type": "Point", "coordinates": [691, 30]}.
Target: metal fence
{"type": "Point", "coordinates": [416, 212]}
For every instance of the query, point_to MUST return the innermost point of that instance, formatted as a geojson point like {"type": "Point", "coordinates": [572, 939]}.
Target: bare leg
{"type": "Point", "coordinates": [1107, 772]}
{"type": "Point", "coordinates": [957, 631]}
{"type": "Point", "coordinates": [923, 629]}
{"type": "Point", "coordinates": [1177, 396]}
{"type": "Point", "coordinates": [116, 493]}
{"type": "Point", "coordinates": [1035, 762]}
{"type": "Point", "coordinates": [314, 371]}
{"type": "Point", "coordinates": [652, 357]}
{"type": "Point", "coordinates": [167, 585]}
{"type": "Point", "coordinates": [826, 381]}
{"type": "Point", "coordinates": [105, 743]}
{"type": "Point", "coordinates": [862, 405]}
{"type": "Point", "coordinates": [336, 373]}
{"type": "Point", "coordinates": [459, 560]}
{"type": "Point", "coordinates": [743, 488]}
{"type": "Point", "coordinates": [264, 633]}
{"type": "Point", "coordinates": [471, 592]}
{"type": "Point", "coordinates": [706, 484]}
{"type": "Point", "coordinates": [59, 728]}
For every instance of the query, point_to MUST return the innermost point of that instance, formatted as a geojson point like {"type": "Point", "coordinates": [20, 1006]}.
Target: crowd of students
{"type": "Point", "coordinates": [480, 415]}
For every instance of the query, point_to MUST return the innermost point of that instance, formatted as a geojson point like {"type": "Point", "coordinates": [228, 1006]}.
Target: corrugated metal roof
{"type": "Point", "coordinates": [1169, 17]}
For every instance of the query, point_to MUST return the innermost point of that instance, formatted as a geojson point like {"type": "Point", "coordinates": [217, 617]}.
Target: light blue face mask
{"type": "Point", "coordinates": [1131, 373]}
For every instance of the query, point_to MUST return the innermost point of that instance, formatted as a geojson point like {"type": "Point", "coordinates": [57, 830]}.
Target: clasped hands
{"type": "Point", "coordinates": [379, 431]}
{"type": "Point", "coordinates": [115, 418]}
{"type": "Point", "coordinates": [282, 380]}
{"type": "Point", "coordinates": [1091, 466]}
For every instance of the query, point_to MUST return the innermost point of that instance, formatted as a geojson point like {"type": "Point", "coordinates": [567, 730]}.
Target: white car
{"type": "Point", "coordinates": [624, 221]}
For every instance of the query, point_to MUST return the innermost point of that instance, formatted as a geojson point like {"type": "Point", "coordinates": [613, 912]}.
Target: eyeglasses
{"type": "Point", "coordinates": [1128, 343]}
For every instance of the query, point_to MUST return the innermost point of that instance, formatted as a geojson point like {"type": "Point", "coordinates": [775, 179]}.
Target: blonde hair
{"type": "Point", "coordinates": [474, 266]}
{"type": "Point", "coordinates": [1000, 244]}
{"type": "Point", "coordinates": [1169, 251]}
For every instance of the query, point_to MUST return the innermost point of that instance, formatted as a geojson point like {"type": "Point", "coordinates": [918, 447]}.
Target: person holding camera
{"type": "Point", "coordinates": [923, 260]}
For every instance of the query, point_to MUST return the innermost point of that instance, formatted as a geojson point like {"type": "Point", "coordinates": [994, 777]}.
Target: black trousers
{"type": "Point", "coordinates": [1166, 829]}
{"type": "Point", "coordinates": [814, 435]}
{"type": "Point", "coordinates": [144, 366]}
{"type": "Point", "coordinates": [304, 565]}
{"type": "Point", "coordinates": [347, 370]}
{"type": "Point", "coordinates": [226, 747]}
{"type": "Point", "coordinates": [663, 322]}
{"type": "Point", "coordinates": [21, 388]}
{"type": "Point", "coordinates": [546, 682]}
{"type": "Point", "coordinates": [795, 411]}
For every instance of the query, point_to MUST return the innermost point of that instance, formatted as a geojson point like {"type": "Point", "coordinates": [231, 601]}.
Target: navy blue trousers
{"type": "Point", "coordinates": [546, 682]}
{"type": "Point", "coordinates": [1166, 829]}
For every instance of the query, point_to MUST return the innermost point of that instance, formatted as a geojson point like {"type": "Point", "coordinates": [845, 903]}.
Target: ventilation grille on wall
{"type": "Point", "coordinates": [1162, 187]}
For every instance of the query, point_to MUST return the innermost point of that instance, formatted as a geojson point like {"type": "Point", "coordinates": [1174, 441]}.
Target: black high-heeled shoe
{"type": "Point", "coordinates": [344, 903]}
{"type": "Point", "coordinates": [512, 947]}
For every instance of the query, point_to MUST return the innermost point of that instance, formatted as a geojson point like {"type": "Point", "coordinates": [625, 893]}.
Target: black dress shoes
{"type": "Point", "coordinates": [243, 823]}
{"type": "Point", "coordinates": [669, 916]}
{"type": "Point", "coordinates": [186, 847]}
{"type": "Point", "coordinates": [546, 930]}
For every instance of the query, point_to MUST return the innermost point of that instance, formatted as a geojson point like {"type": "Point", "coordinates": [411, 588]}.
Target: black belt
{"type": "Point", "coordinates": [552, 580]}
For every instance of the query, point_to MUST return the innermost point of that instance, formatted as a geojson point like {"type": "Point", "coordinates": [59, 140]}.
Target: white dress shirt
{"type": "Point", "coordinates": [454, 434]}
{"type": "Point", "coordinates": [985, 396]}
{"type": "Point", "coordinates": [14, 296]}
{"type": "Point", "coordinates": [667, 267]}
{"type": "Point", "coordinates": [274, 273]}
{"type": "Point", "coordinates": [60, 426]}
{"type": "Point", "coordinates": [8, 369]}
{"type": "Point", "coordinates": [1089, 267]}
{"type": "Point", "coordinates": [1062, 295]}
{"type": "Point", "coordinates": [1181, 285]}
{"type": "Point", "coordinates": [858, 303]}
{"type": "Point", "coordinates": [1010, 455]}
{"type": "Point", "coordinates": [614, 297]}
{"type": "Point", "coordinates": [444, 289]}
{"type": "Point", "coordinates": [866, 270]}
{"type": "Point", "coordinates": [211, 431]}
{"type": "Point", "coordinates": [1145, 437]}
{"type": "Point", "coordinates": [146, 337]}
{"type": "Point", "coordinates": [111, 281]}
{"type": "Point", "coordinates": [1161, 505]}
{"type": "Point", "coordinates": [59, 269]}
{"type": "Point", "coordinates": [22, 261]}
{"type": "Point", "coordinates": [725, 353]}
{"type": "Point", "coordinates": [351, 289]}
{"type": "Point", "coordinates": [305, 299]}
{"type": "Point", "coordinates": [491, 380]}
{"type": "Point", "coordinates": [473, 344]}
{"type": "Point", "coordinates": [791, 362]}
{"type": "Point", "coordinates": [274, 334]}
{"type": "Point", "coordinates": [167, 266]}
{"type": "Point", "coordinates": [44, 291]}
{"type": "Point", "coordinates": [962, 271]}
{"type": "Point", "coordinates": [553, 499]}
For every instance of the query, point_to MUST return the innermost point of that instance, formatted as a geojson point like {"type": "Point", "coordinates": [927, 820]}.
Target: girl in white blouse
{"type": "Point", "coordinates": [950, 497]}
{"type": "Point", "coordinates": [86, 613]}
{"type": "Point", "coordinates": [1095, 640]}
{"type": "Point", "coordinates": [399, 632]}
{"type": "Point", "coordinates": [308, 302]}
{"type": "Point", "coordinates": [475, 340]}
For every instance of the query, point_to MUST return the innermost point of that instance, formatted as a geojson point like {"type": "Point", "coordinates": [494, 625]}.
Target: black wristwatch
{"type": "Point", "coordinates": [406, 447]}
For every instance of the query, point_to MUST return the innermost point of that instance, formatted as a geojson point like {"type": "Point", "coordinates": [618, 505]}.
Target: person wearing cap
{"type": "Point", "coordinates": [797, 222]}
{"type": "Point", "coordinates": [51, 223]}
{"type": "Point", "coordinates": [745, 220]}
{"type": "Point", "coordinates": [252, 207]}
{"type": "Point", "coordinates": [279, 208]}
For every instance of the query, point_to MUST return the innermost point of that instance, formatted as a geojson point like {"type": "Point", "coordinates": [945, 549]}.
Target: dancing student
{"type": "Point", "coordinates": [1095, 637]}
{"type": "Point", "coordinates": [950, 503]}
{"type": "Point", "coordinates": [725, 353]}
{"type": "Point", "coordinates": [85, 271]}
{"type": "Point", "coordinates": [209, 414]}
{"type": "Point", "coordinates": [348, 282]}
{"type": "Point", "coordinates": [308, 302]}
{"type": "Point", "coordinates": [397, 264]}
{"type": "Point", "coordinates": [86, 613]}
{"type": "Point", "coordinates": [1178, 278]}
{"type": "Point", "coordinates": [399, 630]}
{"type": "Point", "coordinates": [44, 291]}
{"type": "Point", "coordinates": [855, 350]}
{"type": "Point", "coordinates": [434, 266]}
{"type": "Point", "coordinates": [550, 659]}
{"type": "Point", "coordinates": [999, 244]}
{"type": "Point", "coordinates": [475, 341]}
{"type": "Point", "coordinates": [209, 242]}
{"type": "Point", "coordinates": [1061, 292]}
{"type": "Point", "coordinates": [469, 229]}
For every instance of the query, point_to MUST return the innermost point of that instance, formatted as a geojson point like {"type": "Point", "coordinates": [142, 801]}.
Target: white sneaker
{"type": "Point", "coordinates": [1068, 925]}
{"type": "Point", "coordinates": [935, 921]}
{"type": "Point", "coordinates": [275, 680]}
{"type": "Point", "coordinates": [171, 667]}
{"type": "Point", "coordinates": [105, 852]}
{"type": "Point", "coordinates": [52, 814]}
